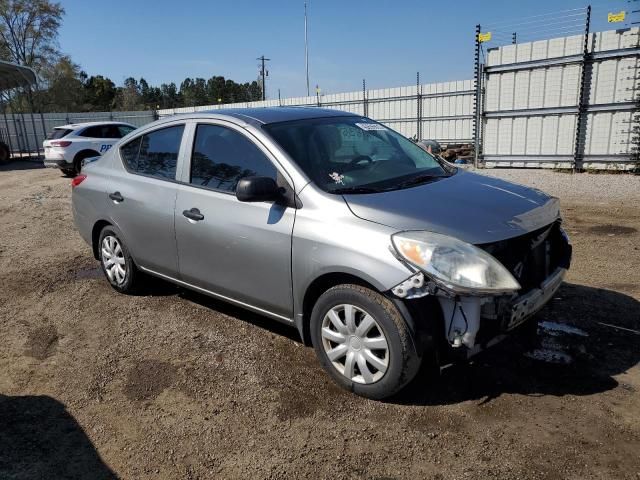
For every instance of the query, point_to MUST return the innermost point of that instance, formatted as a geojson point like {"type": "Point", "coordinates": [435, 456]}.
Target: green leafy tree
{"type": "Point", "coordinates": [100, 93]}
{"type": "Point", "coordinates": [194, 92]}
{"type": "Point", "coordinates": [65, 92]}
{"type": "Point", "coordinates": [29, 31]}
{"type": "Point", "coordinates": [170, 97]}
{"type": "Point", "coordinates": [128, 96]}
{"type": "Point", "coordinates": [28, 36]}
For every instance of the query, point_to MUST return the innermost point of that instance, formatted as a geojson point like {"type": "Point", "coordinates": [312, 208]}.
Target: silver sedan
{"type": "Point", "coordinates": [381, 255]}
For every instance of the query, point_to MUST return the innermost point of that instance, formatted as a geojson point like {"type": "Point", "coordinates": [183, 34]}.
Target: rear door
{"type": "Point", "coordinates": [94, 138]}
{"type": "Point", "coordinates": [142, 196]}
{"type": "Point", "coordinates": [241, 251]}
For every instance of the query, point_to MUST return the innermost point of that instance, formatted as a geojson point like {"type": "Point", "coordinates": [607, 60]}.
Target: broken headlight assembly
{"type": "Point", "coordinates": [454, 266]}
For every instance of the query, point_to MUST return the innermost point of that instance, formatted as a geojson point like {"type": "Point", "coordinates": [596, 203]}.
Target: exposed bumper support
{"type": "Point", "coordinates": [528, 304]}
{"type": "Point", "coordinates": [462, 316]}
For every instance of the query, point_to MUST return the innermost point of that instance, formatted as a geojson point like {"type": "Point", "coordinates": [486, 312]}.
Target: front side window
{"type": "Point", "coordinates": [154, 154]}
{"type": "Point", "coordinates": [221, 157]}
{"type": "Point", "coordinates": [353, 154]}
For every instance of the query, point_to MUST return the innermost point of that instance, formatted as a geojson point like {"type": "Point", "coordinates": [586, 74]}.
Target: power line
{"type": "Point", "coordinates": [540, 17]}
{"type": "Point", "coordinates": [547, 21]}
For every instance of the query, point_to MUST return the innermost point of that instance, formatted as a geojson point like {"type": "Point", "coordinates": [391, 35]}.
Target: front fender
{"type": "Point", "coordinates": [330, 239]}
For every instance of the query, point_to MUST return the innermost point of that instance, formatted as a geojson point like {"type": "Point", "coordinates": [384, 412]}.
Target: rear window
{"type": "Point", "coordinates": [58, 133]}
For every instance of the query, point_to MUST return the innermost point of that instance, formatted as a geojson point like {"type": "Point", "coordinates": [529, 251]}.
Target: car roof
{"type": "Point", "coordinates": [266, 115]}
{"type": "Point", "coordinates": [74, 126]}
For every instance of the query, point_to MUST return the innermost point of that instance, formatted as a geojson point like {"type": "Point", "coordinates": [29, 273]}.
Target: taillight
{"type": "Point", "coordinates": [60, 143]}
{"type": "Point", "coordinates": [77, 180]}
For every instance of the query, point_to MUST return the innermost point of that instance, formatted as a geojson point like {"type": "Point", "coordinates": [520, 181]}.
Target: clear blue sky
{"type": "Point", "coordinates": [384, 41]}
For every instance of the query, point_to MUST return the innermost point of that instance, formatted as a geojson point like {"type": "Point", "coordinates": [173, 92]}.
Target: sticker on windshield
{"type": "Point", "coordinates": [371, 126]}
{"type": "Point", "coordinates": [336, 177]}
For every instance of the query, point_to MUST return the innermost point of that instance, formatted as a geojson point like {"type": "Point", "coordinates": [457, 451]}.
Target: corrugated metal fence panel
{"type": "Point", "coordinates": [18, 129]}
{"type": "Point", "coordinates": [447, 108]}
{"type": "Point", "coordinates": [549, 87]}
{"type": "Point", "coordinates": [446, 113]}
{"type": "Point", "coordinates": [538, 50]}
{"type": "Point", "coordinates": [531, 109]}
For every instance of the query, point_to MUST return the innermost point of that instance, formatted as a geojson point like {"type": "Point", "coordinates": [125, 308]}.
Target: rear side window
{"type": "Point", "coordinates": [106, 131]}
{"type": "Point", "coordinates": [97, 131]}
{"type": "Point", "coordinates": [124, 130]}
{"type": "Point", "coordinates": [221, 157]}
{"type": "Point", "coordinates": [154, 154]}
{"type": "Point", "coordinates": [58, 133]}
{"type": "Point", "coordinates": [129, 154]}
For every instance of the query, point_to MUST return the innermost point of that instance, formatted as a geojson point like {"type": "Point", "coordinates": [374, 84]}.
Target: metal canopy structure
{"type": "Point", "coordinates": [14, 76]}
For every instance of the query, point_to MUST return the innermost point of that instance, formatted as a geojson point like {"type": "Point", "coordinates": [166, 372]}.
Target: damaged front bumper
{"type": "Point", "coordinates": [528, 304]}
{"type": "Point", "coordinates": [471, 322]}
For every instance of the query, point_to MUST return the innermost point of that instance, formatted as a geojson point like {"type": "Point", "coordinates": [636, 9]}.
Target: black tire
{"type": "Point", "coordinates": [81, 157]}
{"type": "Point", "coordinates": [131, 282]}
{"type": "Point", "coordinates": [403, 360]}
{"type": "Point", "coordinates": [5, 154]}
{"type": "Point", "coordinates": [527, 334]}
{"type": "Point", "coordinates": [69, 173]}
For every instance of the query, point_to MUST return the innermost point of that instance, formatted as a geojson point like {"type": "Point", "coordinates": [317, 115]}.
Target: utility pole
{"type": "Point", "coordinates": [263, 73]}
{"type": "Point", "coordinates": [306, 47]}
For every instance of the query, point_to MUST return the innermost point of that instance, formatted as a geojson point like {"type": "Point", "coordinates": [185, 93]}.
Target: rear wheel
{"type": "Point", "coordinates": [5, 154]}
{"type": "Point", "coordinates": [116, 262]}
{"type": "Point", "coordinates": [80, 158]}
{"type": "Point", "coordinates": [363, 342]}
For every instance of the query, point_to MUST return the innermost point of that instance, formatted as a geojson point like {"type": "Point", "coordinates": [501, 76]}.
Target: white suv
{"type": "Point", "coordinates": [68, 146]}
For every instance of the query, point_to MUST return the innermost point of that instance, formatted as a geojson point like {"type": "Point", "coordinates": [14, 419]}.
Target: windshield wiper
{"type": "Point", "coordinates": [417, 180]}
{"type": "Point", "coordinates": [357, 190]}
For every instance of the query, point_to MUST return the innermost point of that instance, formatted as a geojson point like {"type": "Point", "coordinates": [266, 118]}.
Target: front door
{"type": "Point", "coordinates": [240, 251]}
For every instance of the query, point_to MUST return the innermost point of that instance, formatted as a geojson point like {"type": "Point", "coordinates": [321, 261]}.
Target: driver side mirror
{"type": "Point", "coordinates": [258, 189]}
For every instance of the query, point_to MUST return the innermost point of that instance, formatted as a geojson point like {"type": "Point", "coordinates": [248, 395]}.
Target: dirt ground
{"type": "Point", "coordinates": [94, 384]}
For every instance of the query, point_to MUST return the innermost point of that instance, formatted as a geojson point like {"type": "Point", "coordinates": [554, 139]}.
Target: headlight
{"type": "Point", "coordinates": [458, 266]}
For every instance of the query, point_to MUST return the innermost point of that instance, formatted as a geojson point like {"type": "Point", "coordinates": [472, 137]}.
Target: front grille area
{"type": "Point", "coordinates": [533, 257]}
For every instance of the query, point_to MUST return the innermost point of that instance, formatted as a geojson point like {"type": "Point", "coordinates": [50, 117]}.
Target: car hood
{"type": "Point", "coordinates": [475, 208]}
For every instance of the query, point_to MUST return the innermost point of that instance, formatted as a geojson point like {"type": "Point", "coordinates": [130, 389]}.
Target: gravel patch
{"type": "Point", "coordinates": [172, 384]}
{"type": "Point", "coordinates": [574, 186]}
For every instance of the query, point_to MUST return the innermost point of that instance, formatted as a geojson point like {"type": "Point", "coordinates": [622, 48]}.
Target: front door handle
{"type": "Point", "coordinates": [116, 197]}
{"type": "Point", "coordinates": [193, 214]}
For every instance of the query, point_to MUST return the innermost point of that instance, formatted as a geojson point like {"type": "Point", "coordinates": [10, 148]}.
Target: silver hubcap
{"type": "Point", "coordinates": [113, 259]}
{"type": "Point", "coordinates": [355, 344]}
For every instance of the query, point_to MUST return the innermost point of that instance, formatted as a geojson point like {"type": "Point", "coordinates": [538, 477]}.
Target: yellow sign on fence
{"type": "Point", "coordinates": [616, 17]}
{"type": "Point", "coordinates": [484, 37]}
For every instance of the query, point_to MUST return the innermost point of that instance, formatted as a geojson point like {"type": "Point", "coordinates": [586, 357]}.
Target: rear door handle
{"type": "Point", "coordinates": [193, 214]}
{"type": "Point", "coordinates": [116, 197]}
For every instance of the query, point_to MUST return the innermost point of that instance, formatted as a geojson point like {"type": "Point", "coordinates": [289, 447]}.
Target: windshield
{"type": "Point", "coordinates": [354, 154]}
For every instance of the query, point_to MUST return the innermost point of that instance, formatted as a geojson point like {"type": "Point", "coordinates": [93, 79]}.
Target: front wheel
{"type": "Point", "coordinates": [363, 342]}
{"type": "Point", "coordinates": [116, 262]}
